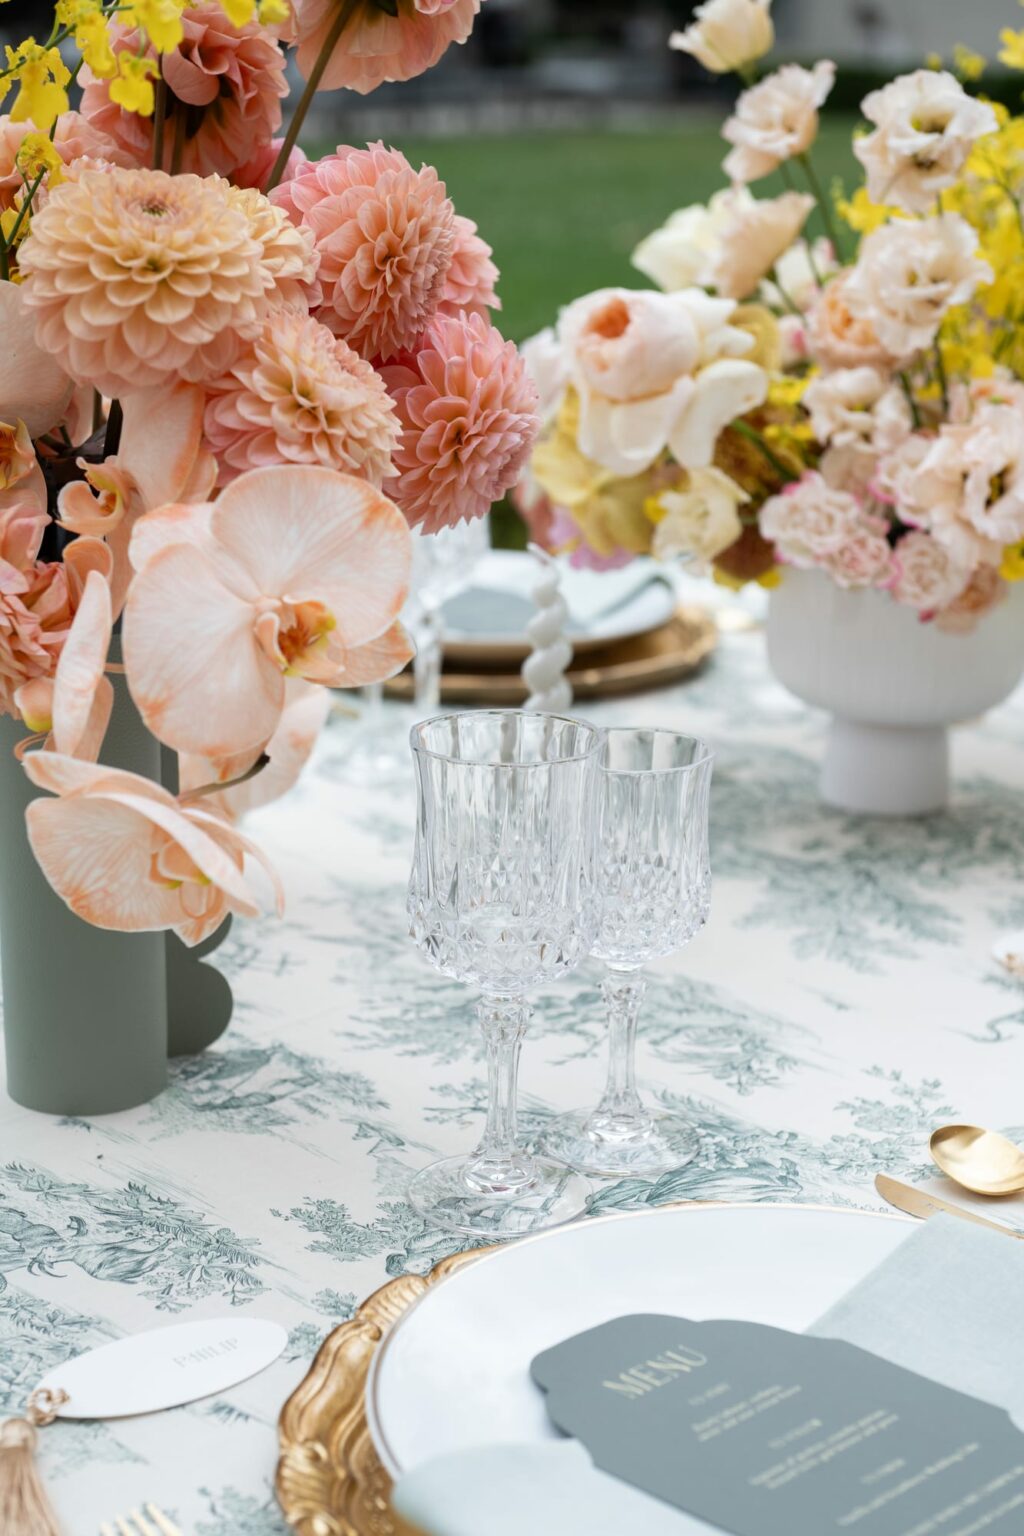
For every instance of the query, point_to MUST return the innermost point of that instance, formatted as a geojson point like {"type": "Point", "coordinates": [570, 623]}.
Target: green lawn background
{"type": "Point", "coordinates": [563, 211]}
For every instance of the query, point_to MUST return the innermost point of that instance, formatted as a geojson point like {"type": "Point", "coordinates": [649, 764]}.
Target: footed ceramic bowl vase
{"type": "Point", "coordinates": [892, 685]}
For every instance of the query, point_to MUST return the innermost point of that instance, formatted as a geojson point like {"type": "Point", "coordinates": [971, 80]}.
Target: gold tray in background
{"type": "Point", "coordinates": [664, 655]}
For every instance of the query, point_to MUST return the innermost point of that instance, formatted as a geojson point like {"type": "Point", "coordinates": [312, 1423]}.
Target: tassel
{"type": "Point", "coordinates": [24, 1508]}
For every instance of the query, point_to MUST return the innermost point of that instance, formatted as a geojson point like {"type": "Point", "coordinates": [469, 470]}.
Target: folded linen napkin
{"type": "Point", "coordinates": [548, 1489]}
{"type": "Point", "coordinates": [947, 1303]}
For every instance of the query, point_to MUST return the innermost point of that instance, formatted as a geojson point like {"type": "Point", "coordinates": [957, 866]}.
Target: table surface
{"type": "Point", "coordinates": [841, 1002]}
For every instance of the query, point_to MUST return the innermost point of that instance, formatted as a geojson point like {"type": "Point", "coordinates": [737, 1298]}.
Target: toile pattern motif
{"type": "Point", "coordinates": [840, 1003]}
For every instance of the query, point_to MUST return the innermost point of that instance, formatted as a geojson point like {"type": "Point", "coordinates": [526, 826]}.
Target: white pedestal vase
{"type": "Point", "coordinates": [892, 684]}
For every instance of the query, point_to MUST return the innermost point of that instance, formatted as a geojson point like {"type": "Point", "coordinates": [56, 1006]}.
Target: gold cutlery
{"type": "Point", "coordinates": [982, 1161]}
{"type": "Point", "coordinates": [914, 1202]}
{"type": "Point", "coordinates": [151, 1523]}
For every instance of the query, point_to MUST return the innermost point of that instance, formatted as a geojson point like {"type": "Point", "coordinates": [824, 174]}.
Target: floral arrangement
{"type": "Point", "coordinates": [235, 380]}
{"type": "Point", "coordinates": [852, 403]}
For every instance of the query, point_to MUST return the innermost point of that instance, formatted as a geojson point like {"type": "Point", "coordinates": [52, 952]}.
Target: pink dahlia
{"type": "Point", "coordinates": [386, 238]}
{"type": "Point", "coordinates": [380, 42]}
{"type": "Point", "coordinates": [469, 417]}
{"type": "Point", "coordinates": [138, 278]}
{"type": "Point", "coordinates": [224, 90]}
{"type": "Point", "coordinates": [301, 396]}
{"type": "Point", "coordinates": [472, 275]}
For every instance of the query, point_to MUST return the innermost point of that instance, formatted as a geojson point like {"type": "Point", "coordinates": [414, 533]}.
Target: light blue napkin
{"type": "Point", "coordinates": [949, 1304]}
{"type": "Point", "coordinates": [551, 1489]}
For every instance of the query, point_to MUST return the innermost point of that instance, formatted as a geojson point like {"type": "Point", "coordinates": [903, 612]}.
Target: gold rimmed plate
{"type": "Point", "coordinates": [667, 654]}
{"type": "Point", "coordinates": [431, 1360]}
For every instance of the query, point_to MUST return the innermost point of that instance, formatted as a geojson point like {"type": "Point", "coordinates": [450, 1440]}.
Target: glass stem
{"type": "Point", "coordinates": [620, 1114]}
{"type": "Point", "coordinates": [499, 1165]}
{"type": "Point", "coordinates": [426, 666]}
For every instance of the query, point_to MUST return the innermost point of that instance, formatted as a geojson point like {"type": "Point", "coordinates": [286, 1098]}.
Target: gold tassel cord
{"type": "Point", "coordinates": [24, 1508]}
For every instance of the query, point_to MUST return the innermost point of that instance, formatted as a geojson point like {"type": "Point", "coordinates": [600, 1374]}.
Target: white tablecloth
{"type": "Point", "coordinates": [841, 1002]}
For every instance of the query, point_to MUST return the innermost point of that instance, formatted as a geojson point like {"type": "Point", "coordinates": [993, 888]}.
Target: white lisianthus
{"type": "Point", "coordinates": [727, 34]}
{"type": "Point", "coordinates": [798, 271]}
{"type": "Point", "coordinates": [656, 371]}
{"type": "Point", "coordinates": [857, 408]}
{"type": "Point", "coordinates": [754, 235]}
{"type": "Point", "coordinates": [775, 120]}
{"type": "Point", "coordinates": [681, 252]}
{"type": "Point", "coordinates": [546, 364]}
{"type": "Point", "coordinates": [909, 273]}
{"type": "Point", "coordinates": [970, 484]}
{"type": "Point", "coordinates": [926, 126]}
{"type": "Point", "coordinates": [702, 520]}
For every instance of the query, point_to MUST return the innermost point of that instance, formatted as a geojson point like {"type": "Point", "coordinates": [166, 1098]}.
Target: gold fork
{"type": "Point", "coordinates": [151, 1522]}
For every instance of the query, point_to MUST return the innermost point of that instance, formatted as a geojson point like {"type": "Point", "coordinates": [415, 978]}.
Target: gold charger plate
{"type": "Point", "coordinates": [330, 1480]}
{"type": "Point", "coordinates": [664, 655]}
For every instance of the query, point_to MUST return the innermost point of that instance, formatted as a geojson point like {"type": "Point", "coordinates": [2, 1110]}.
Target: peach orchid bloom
{"type": "Point", "coordinates": [74, 706]}
{"type": "Point", "coordinates": [21, 479]}
{"type": "Point", "coordinates": [291, 573]}
{"type": "Point", "coordinates": [125, 854]}
{"type": "Point", "coordinates": [32, 386]}
{"type": "Point", "coordinates": [306, 708]}
{"type": "Point", "coordinates": [161, 459]}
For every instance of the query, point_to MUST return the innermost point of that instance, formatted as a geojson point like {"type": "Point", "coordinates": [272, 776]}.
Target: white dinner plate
{"type": "Point", "coordinates": [487, 620]}
{"type": "Point", "coordinates": [454, 1370]}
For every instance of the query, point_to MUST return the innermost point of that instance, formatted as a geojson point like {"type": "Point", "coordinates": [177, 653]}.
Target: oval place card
{"type": "Point", "coordinates": [163, 1367]}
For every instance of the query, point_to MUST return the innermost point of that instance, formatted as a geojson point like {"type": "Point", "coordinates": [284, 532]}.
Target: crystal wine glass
{"type": "Point", "coordinates": [656, 887]}
{"type": "Point", "coordinates": [503, 896]}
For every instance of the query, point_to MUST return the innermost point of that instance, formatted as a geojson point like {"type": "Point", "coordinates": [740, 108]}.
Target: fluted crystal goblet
{"type": "Point", "coordinates": [503, 896]}
{"type": "Point", "coordinates": [655, 879]}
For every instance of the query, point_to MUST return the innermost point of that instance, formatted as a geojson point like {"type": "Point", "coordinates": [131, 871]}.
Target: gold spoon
{"type": "Point", "coordinates": [982, 1161]}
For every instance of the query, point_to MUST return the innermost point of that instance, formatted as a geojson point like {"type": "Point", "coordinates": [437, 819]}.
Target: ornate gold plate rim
{"type": "Point", "coordinates": [330, 1481]}
{"type": "Point", "coordinates": [666, 654]}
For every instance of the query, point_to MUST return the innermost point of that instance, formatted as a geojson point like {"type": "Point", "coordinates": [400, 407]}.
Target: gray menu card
{"type": "Point", "coordinates": [769, 1433]}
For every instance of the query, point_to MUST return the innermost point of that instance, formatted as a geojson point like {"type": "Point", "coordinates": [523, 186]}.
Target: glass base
{"type": "Point", "coordinates": [668, 1143]}
{"type": "Point", "coordinates": [550, 1196]}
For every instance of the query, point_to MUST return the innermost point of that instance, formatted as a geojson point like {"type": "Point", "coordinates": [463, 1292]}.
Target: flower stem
{"type": "Point", "coordinates": [908, 391]}
{"type": "Point", "coordinates": [940, 369]}
{"type": "Point", "coordinates": [115, 420]}
{"type": "Point", "coordinates": [345, 12]}
{"type": "Point", "coordinates": [784, 296]}
{"type": "Point", "coordinates": [823, 203]}
{"type": "Point", "coordinates": [753, 435]}
{"type": "Point", "coordinates": [159, 119]}
{"type": "Point", "coordinates": [178, 148]}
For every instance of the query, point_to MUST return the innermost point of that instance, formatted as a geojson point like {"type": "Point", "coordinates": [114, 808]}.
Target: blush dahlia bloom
{"type": "Point", "coordinates": [386, 238]}
{"type": "Point", "coordinates": [376, 46]}
{"type": "Point", "coordinates": [139, 278]}
{"type": "Point", "coordinates": [224, 91]}
{"type": "Point", "coordinates": [472, 275]}
{"type": "Point", "coordinates": [469, 417]}
{"type": "Point", "coordinates": [300, 395]}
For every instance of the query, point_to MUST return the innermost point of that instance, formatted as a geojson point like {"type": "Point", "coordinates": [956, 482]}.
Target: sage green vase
{"type": "Point", "coordinates": [90, 1017]}
{"type": "Point", "coordinates": [85, 1009]}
